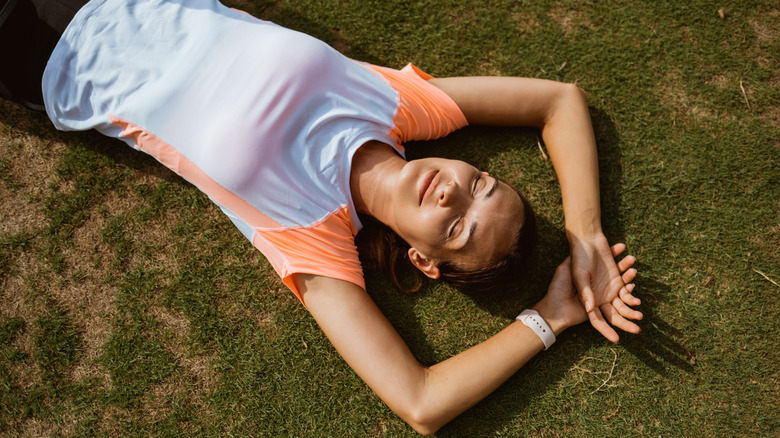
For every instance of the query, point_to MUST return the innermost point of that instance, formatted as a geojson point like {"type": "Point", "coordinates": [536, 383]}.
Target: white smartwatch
{"type": "Point", "coordinates": [532, 320]}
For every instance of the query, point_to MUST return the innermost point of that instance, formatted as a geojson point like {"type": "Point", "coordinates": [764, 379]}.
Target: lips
{"type": "Point", "coordinates": [426, 185]}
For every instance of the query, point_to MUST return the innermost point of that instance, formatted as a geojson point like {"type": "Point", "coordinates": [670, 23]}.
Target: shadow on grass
{"type": "Point", "coordinates": [38, 125]}
{"type": "Point", "coordinates": [657, 346]}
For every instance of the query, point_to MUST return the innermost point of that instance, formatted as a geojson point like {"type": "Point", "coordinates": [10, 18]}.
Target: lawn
{"type": "Point", "coordinates": [130, 306]}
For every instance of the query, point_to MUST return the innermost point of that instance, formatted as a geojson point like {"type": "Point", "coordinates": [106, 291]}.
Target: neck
{"type": "Point", "coordinates": [375, 168]}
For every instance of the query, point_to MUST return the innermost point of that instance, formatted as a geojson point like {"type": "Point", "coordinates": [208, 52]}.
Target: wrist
{"type": "Point", "coordinates": [547, 311]}
{"type": "Point", "coordinates": [583, 224]}
{"type": "Point", "coordinates": [531, 319]}
{"type": "Point", "coordinates": [583, 231]}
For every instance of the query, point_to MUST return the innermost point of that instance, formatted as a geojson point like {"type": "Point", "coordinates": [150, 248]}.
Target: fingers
{"type": "Point", "coordinates": [616, 313]}
{"type": "Point", "coordinates": [599, 323]}
{"type": "Point", "coordinates": [627, 262]}
{"type": "Point", "coordinates": [629, 274]}
{"type": "Point", "coordinates": [626, 311]}
{"type": "Point", "coordinates": [617, 249]}
{"type": "Point", "coordinates": [586, 296]}
{"type": "Point", "coordinates": [626, 296]}
{"type": "Point", "coordinates": [617, 320]}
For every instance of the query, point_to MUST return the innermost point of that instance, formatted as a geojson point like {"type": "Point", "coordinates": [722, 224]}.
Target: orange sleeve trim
{"type": "Point", "coordinates": [424, 111]}
{"type": "Point", "coordinates": [327, 249]}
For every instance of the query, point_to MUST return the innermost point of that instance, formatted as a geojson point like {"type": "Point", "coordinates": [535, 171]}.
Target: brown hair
{"type": "Point", "coordinates": [386, 250]}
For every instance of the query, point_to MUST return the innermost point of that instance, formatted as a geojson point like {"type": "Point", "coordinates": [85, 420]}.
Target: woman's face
{"type": "Point", "coordinates": [449, 210]}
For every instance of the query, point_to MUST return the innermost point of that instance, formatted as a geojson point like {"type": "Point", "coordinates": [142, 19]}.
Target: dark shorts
{"type": "Point", "coordinates": [28, 33]}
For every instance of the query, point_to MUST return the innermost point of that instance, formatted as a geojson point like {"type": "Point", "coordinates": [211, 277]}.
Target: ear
{"type": "Point", "coordinates": [424, 264]}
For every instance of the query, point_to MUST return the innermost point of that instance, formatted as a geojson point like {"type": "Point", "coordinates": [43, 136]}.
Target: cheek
{"type": "Point", "coordinates": [430, 223]}
{"type": "Point", "coordinates": [420, 230]}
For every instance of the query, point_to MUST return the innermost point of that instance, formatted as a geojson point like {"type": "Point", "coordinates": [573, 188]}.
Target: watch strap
{"type": "Point", "coordinates": [532, 319]}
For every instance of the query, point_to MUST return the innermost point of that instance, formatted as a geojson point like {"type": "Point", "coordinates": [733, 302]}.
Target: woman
{"type": "Point", "coordinates": [293, 140]}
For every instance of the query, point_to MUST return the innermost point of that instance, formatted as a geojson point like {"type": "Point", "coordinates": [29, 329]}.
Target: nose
{"type": "Point", "coordinates": [448, 195]}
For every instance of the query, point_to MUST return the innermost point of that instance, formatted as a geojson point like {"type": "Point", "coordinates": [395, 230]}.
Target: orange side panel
{"type": "Point", "coordinates": [326, 248]}
{"type": "Point", "coordinates": [174, 160]}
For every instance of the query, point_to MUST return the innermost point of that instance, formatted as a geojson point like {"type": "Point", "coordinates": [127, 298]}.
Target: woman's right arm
{"type": "Point", "coordinates": [429, 397]}
{"type": "Point", "coordinates": [561, 112]}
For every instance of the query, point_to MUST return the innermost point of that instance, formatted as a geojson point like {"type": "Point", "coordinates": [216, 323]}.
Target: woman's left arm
{"type": "Point", "coordinates": [560, 111]}
{"type": "Point", "coordinates": [429, 397]}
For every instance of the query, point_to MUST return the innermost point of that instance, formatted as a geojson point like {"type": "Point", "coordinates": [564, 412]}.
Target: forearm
{"type": "Point", "coordinates": [460, 382]}
{"type": "Point", "coordinates": [568, 135]}
{"type": "Point", "coordinates": [426, 398]}
{"type": "Point", "coordinates": [561, 112]}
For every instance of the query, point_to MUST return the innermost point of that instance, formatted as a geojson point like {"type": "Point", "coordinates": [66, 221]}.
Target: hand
{"type": "Point", "coordinates": [561, 308]}
{"type": "Point", "coordinates": [603, 289]}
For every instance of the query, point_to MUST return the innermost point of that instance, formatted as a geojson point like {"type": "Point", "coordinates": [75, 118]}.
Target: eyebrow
{"type": "Point", "coordinates": [492, 189]}
{"type": "Point", "coordinates": [473, 228]}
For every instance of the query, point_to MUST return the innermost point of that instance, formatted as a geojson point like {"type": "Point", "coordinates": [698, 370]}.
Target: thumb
{"type": "Point", "coordinates": [582, 281]}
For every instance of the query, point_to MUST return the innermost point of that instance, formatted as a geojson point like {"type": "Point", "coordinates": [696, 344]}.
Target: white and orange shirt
{"type": "Point", "coordinates": [263, 119]}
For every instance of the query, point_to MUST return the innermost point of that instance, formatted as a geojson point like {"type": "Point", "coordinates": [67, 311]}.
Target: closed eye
{"type": "Point", "coordinates": [476, 183]}
{"type": "Point", "coordinates": [474, 189]}
{"type": "Point", "coordinates": [454, 225]}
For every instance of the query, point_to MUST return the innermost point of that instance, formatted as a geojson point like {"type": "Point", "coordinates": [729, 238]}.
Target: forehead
{"type": "Point", "coordinates": [498, 220]}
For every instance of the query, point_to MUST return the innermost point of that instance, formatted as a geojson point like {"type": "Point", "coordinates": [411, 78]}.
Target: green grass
{"type": "Point", "coordinates": [130, 307]}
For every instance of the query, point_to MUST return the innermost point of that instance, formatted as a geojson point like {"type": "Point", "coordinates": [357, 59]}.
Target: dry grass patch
{"type": "Point", "coordinates": [32, 172]}
{"type": "Point", "coordinates": [767, 26]}
{"type": "Point", "coordinates": [488, 68]}
{"type": "Point", "coordinates": [88, 298]}
{"type": "Point", "coordinates": [197, 367]}
{"type": "Point", "coordinates": [17, 302]}
{"type": "Point", "coordinates": [262, 320]}
{"type": "Point", "coordinates": [27, 374]}
{"type": "Point", "coordinates": [152, 242]}
{"type": "Point", "coordinates": [176, 323]}
{"type": "Point", "coordinates": [775, 79]}
{"type": "Point", "coordinates": [35, 427]}
{"type": "Point", "coordinates": [673, 92]}
{"type": "Point", "coordinates": [195, 376]}
{"type": "Point", "coordinates": [88, 370]}
{"type": "Point", "coordinates": [569, 19]}
{"type": "Point", "coordinates": [111, 419]}
{"type": "Point", "coordinates": [159, 401]}
{"type": "Point", "coordinates": [155, 246]}
{"type": "Point", "coordinates": [526, 23]}
{"type": "Point", "coordinates": [720, 81]}
{"type": "Point", "coordinates": [156, 404]}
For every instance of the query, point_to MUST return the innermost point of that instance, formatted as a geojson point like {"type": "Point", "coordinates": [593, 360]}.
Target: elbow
{"type": "Point", "coordinates": [426, 409]}
{"type": "Point", "coordinates": [573, 91]}
{"type": "Point", "coordinates": [422, 424]}
{"type": "Point", "coordinates": [424, 431]}
{"type": "Point", "coordinates": [567, 97]}
{"type": "Point", "coordinates": [424, 420]}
